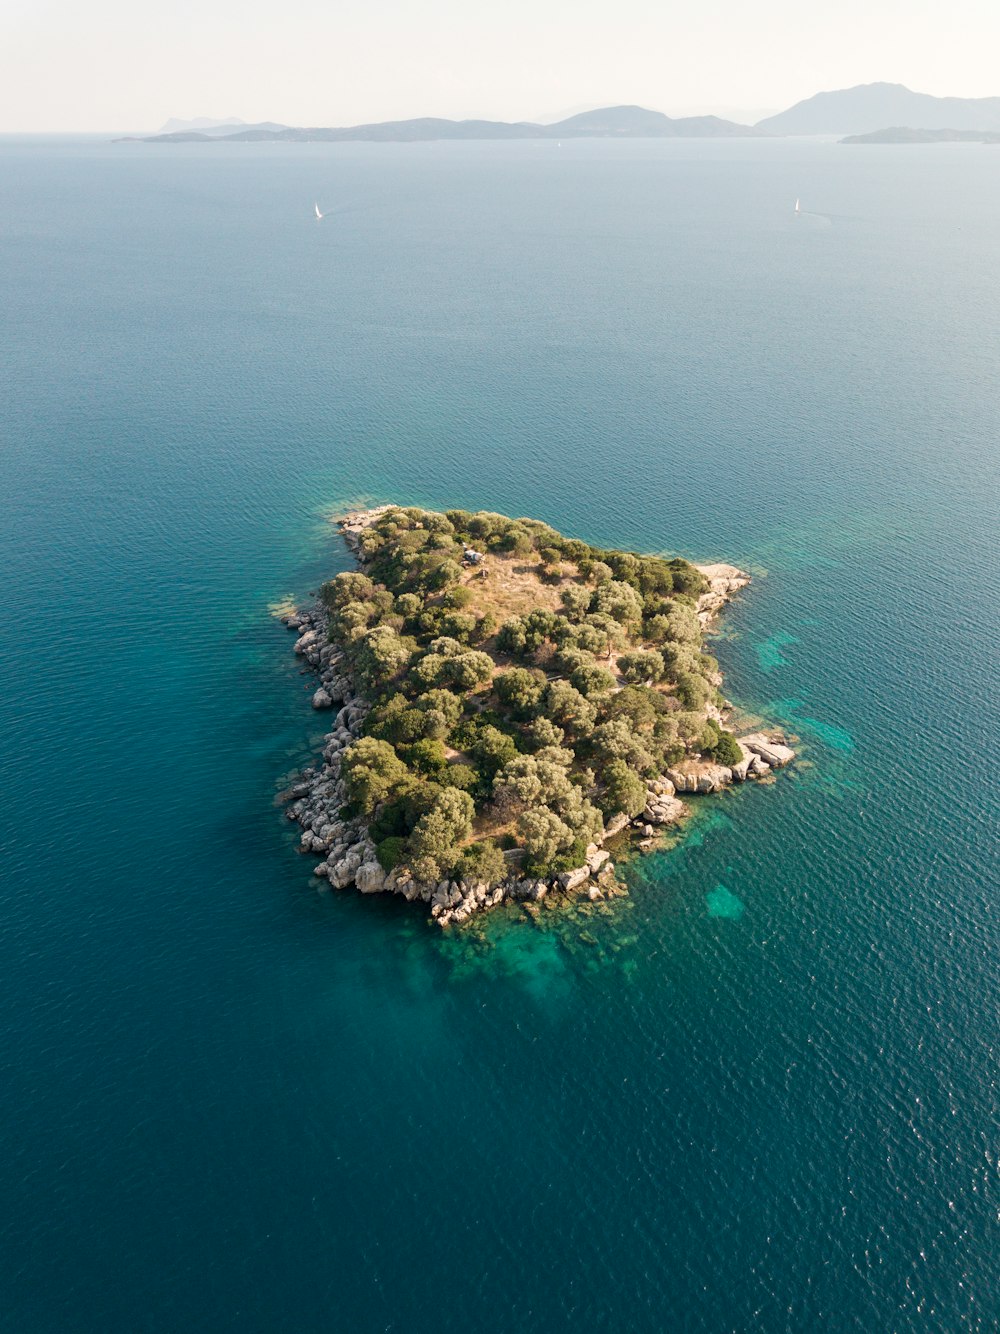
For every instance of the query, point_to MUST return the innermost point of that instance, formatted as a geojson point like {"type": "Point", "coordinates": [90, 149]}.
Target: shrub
{"type": "Point", "coordinates": [390, 852]}
{"type": "Point", "coordinates": [687, 579]}
{"type": "Point", "coordinates": [726, 750]}
{"type": "Point", "coordinates": [456, 599]}
{"type": "Point", "coordinates": [481, 862]}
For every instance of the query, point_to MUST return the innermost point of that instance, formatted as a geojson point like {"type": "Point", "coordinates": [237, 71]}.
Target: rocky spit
{"type": "Point", "coordinates": [347, 855]}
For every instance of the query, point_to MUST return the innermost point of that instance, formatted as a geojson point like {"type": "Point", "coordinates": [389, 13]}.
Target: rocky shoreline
{"type": "Point", "coordinates": [317, 799]}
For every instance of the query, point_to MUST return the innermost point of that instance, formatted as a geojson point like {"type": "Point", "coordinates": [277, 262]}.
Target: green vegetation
{"type": "Point", "coordinates": [519, 695]}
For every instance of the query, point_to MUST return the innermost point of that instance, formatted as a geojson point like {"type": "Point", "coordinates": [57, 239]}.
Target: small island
{"type": "Point", "coordinates": [899, 134]}
{"type": "Point", "coordinates": [516, 707]}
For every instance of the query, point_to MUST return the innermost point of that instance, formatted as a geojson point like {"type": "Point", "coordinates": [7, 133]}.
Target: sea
{"type": "Point", "coordinates": [760, 1093]}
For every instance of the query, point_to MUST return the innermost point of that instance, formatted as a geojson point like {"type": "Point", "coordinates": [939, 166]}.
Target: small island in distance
{"type": "Point", "coordinates": [516, 707]}
{"type": "Point", "coordinates": [900, 134]}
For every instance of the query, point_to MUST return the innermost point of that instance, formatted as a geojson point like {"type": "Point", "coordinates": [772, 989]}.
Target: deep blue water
{"type": "Point", "coordinates": [761, 1094]}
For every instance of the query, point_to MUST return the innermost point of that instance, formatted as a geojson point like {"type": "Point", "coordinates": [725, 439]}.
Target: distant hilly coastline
{"type": "Point", "coordinates": [868, 109]}
{"type": "Point", "coordinates": [605, 123]}
{"type": "Point", "coordinates": [863, 111]}
{"type": "Point", "coordinates": [902, 135]}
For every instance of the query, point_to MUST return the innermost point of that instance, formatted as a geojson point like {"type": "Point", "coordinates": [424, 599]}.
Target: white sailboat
{"type": "Point", "coordinates": [798, 207]}
{"type": "Point", "coordinates": [319, 216]}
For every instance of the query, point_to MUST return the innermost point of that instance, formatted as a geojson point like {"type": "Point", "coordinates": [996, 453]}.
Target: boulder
{"type": "Point", "coordinates": [596, 859]}
{"type": "Point", "coordinates": [773, 753]}
{"type": "Point", "coordinates": [344, 871]}
{"type": "Point", "coordinates": [569, 880]}
{"type": "Point", "coordinates": [666, 810]}
{"type": "Point", "coordinates": [615, 824]}
{"type": "Point", "coordinates": [322, 700]}
{"type": "Point", "coordinates": [741, 771]}
{"type": "Point", "coordinates": [700, 776]}
{"type": "Point", "coordinates": [370, 878]}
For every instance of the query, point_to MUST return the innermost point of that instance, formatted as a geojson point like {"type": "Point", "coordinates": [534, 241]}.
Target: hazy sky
{"type": "Point", "coordinates": [129, 64]}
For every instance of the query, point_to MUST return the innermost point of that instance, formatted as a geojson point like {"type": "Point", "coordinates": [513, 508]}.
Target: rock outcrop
{"type": "Point", "coordinates": [723, 582]}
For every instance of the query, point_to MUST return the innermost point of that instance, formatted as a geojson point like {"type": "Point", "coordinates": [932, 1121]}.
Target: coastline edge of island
{"type": "Point", "coordinates": [315, 800]}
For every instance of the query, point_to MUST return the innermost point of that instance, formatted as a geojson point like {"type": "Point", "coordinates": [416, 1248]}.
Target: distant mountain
{"type": "Point", "coordinates": [638, 123]}
{"type": "Point", "coordinates": [902, 135]}
{"type": "Point", "coordinates": [871, 106]}
{"type": "Point", "coordinates": [206, 123]}
{"type": "Point", "coordinates": [606, 123]}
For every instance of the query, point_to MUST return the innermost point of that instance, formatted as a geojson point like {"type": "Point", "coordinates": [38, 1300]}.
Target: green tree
{"type": "Point", "coordinates": [619, 601]}
{"type": "Point", "coordinates": [542, 732]}
{"type": "Point", "coordinates": [512, 637]}
{"type": "Point", "coordinates": [372, 772]}
{"type": "Point", "coordinates": [427, 756]}
{"type": "Point", "coordinates": [682, 624]}
{"type": "Point", "coordinates": [726, 749]}
{"type": "Point", "coordinates": [615, 740]}
{"type": "Point", "coordinates": [434, 843]}
{"type": "Point", "coordinates": [520, 691]}
{"type": "Point", "coordinates": [568, 709]}
{"type": "Point", "coordinates": [544, 836]}
{"type": "Point", "coordinates": [347, 587]}
{"type": "Point", "coordinates": [459, 775]}
{"type": "Point", "coordinates": [640, 666]}
{"type": "Point", "coordinates": [481, 863]}
{"type": "Point", "coordinates": [623, 791]}
{"type": "Point", "coordinates": [460, 625]}
{"type": "Point", "coordinates": [693, 691]}
{"type": "Point", "coordinates": [382, 654]}
{"type": "Point", "coordinates": [491, 749]}
{"type": "Point", "coordinates": [592, 681]}
{"type": "Point", "coordinates": [576, 600]}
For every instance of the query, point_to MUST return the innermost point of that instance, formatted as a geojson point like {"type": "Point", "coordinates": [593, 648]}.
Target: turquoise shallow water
{"type": "Point", "coordinates": [761, 1093]}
